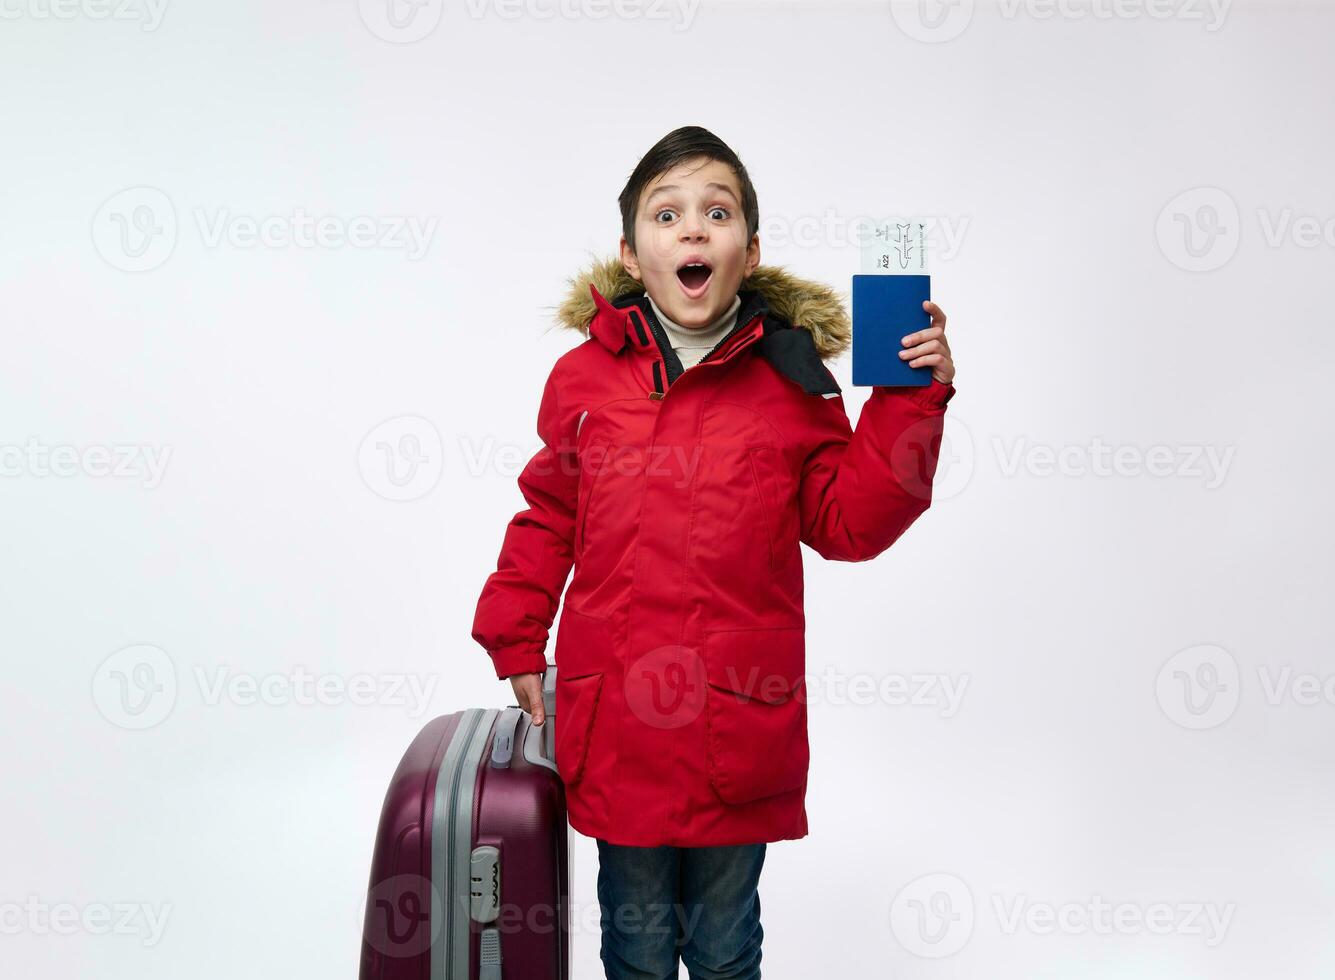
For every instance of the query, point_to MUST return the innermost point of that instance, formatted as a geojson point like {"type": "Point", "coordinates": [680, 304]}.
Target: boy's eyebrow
{"type": "Point", "coordinates": [712, 185]}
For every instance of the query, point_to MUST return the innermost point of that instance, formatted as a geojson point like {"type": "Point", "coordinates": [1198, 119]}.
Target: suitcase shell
{"type": "Point", "coordinates": [470, 872]}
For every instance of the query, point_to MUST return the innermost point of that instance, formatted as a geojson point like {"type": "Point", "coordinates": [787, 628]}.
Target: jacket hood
{"type": "Point", "coordinates": [802, 302]}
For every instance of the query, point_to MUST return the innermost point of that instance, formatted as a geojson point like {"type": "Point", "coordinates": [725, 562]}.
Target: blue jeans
{"type": "Point", "coordinates": [699, 903]}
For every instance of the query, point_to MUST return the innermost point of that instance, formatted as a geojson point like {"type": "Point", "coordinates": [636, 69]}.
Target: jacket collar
{"type": "Point", "coordinates": [629, 321]}
{"type": "Point", "coordinates": [804, 303]}
{"type": "Point", "coordinates": [794, 323]}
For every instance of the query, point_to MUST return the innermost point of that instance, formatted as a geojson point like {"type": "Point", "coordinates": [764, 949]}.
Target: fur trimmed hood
{"type": "Point", "coordinates": [802, 302]}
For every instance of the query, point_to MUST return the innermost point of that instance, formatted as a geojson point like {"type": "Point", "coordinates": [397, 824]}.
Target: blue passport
{"type": "Point", "coordinates": [885, 310]}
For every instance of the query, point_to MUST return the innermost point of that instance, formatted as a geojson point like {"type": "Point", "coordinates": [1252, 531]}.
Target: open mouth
{"type": "Point", "coordinates": [694, 278]}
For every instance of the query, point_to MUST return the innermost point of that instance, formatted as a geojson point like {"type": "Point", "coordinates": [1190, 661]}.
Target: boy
{"type": "Point", "coordinates": [689, 445]}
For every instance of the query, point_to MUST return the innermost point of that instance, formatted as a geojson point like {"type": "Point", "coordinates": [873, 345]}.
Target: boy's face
{"type": "Point", "coordinates": [692, 215]}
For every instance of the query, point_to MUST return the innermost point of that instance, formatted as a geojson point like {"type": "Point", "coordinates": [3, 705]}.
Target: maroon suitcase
{"type": "Point", "coordinates": [470, 874]}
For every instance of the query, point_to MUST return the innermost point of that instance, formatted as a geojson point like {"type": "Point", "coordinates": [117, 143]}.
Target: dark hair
{"type": "Point", "coordinates": [675, 148]}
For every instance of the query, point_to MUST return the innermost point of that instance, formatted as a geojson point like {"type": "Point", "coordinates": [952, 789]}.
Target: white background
{"type": "Point", "coordinates": [1057, 593]}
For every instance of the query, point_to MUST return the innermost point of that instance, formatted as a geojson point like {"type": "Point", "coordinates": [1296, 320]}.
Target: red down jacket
{"type": "Point", "coordinates": [680, 498]}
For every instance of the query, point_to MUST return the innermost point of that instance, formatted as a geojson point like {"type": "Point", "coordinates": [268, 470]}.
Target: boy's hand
{"type": "Point", "coordinates": [928, 348]}
{"type": "Point", "coordinates": [528, 692]}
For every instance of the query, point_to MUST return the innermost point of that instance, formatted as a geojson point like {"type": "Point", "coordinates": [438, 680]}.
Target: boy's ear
{"type": "Point", "coordinates": [752, 255]}
{"type": "Point", "coordinates": [628, 259]}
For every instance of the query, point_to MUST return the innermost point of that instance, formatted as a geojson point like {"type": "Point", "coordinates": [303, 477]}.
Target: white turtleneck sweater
{"type": "Point", "coordinates": [690, 343]}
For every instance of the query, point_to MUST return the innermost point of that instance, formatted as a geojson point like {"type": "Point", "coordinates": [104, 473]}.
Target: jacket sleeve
{"type": "Point", "coordinates": [519, 599]}
{"type": "Point", "coordinates": [860, 490]}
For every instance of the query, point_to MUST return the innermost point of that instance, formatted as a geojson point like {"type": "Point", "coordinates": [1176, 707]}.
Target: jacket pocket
{"type": "Point", "coordinates": [775, 488]}
{"type": "Point", "coordinates": [583, 650]}
{"type": "Point", "coordinates": [756, 713]}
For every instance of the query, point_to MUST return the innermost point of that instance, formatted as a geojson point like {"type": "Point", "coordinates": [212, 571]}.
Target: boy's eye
{"type": "Point", "coordinates": [718, 213]}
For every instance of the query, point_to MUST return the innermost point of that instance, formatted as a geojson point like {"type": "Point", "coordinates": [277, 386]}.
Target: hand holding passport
{"type": "Point", "coordinates": [888, 305]}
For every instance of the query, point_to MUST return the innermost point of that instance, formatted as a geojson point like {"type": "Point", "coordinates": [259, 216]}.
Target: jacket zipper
{"type": "Point", "coordinates": [660, 341]}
